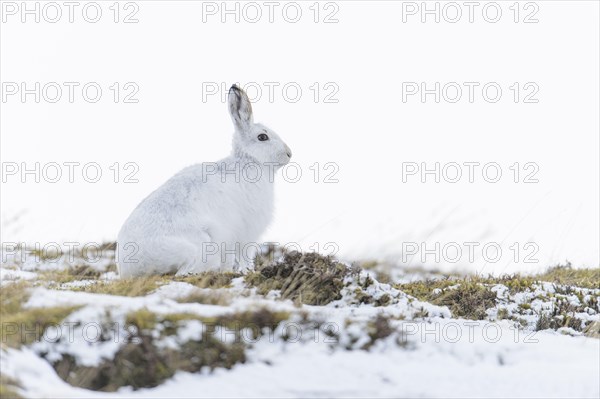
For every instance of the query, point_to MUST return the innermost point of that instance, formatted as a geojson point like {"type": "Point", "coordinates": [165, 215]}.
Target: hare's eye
{"type": "Point", "coordinates": [263, 137]}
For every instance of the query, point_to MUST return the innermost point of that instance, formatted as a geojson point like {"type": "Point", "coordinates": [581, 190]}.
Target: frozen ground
{"type": "Point", "coordinates": [512, 338]}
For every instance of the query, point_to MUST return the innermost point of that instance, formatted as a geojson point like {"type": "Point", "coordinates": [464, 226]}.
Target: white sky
{"type": "Point", "coordinates": [171, 54]}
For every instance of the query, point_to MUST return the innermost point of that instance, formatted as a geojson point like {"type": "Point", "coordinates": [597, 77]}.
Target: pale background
{"type": "Point", "coordinates": [368, 133]}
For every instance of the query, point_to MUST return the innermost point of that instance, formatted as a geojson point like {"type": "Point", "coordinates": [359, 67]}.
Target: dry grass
{"type": "Point", "coordinates": [206, 297]}
{"type": "Point", "coordinates": [139, 286]}
{"type": "Point", "coordinates": [469, 300]}
{"type": "Point", "coordinates": [566, 275]}
{"type": "Point", "coordinates": [23, 326]}
{"type": "Point", "coordinates": [210, 279]}
{"type": "Point", "coordinates": [424, 289]}
{"type": "Point", "coordinates": [592, 330]}
{"type": "Point", "coordinates": [8, 388]}
{"type": "Point", "coordinates": [67, 275]}
{"type": "Point", "coordinates": [466, 297]}
{"type": "Point", "coordinates": [308, 278]}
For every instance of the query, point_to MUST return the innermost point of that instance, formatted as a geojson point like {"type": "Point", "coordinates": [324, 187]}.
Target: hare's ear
{"type": "Point", "coordinates": [240, 108]}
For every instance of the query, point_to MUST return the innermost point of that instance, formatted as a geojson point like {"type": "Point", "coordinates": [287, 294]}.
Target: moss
{"type": "Point", "coordinates": [308, 278]}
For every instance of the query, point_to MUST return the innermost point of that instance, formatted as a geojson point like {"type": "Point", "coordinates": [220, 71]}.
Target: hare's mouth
{"type": "Point", "coordinates": [285, 160]}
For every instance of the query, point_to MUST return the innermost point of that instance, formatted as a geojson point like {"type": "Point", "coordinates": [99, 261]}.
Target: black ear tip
{"type": "Point", "coordinates": [234, 87]}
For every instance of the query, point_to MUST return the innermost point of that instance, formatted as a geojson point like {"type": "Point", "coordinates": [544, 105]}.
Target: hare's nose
{"type": "Point", "coordinates": [288, 152]}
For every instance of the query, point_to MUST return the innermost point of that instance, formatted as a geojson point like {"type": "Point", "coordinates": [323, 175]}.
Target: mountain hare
{"type": "Point", "coordinates": [209, 215]}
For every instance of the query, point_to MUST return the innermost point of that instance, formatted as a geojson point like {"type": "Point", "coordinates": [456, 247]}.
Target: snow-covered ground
{"type": "Point", "coordinates": [350, 347]}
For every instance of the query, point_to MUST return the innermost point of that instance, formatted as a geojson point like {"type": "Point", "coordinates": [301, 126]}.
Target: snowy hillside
{"type": "Point", "coordinates": [299, 325]}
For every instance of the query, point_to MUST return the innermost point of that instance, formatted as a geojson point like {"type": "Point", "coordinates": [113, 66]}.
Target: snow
{"type": "Point", "coordinates": [433, 356]}
{"type": "Point", "coordinates": [553, 366]}
{"type": "Point", "coordinates": [79, 335]}
{"type": "Point", "coordinates": [450, 370]}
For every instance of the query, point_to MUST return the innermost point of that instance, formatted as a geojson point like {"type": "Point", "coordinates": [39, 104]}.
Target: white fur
{"type": "Point", "coordinates": [217, 207]}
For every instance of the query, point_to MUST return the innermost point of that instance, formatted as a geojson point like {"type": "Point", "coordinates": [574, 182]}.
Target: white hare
{"type": "Point", "coordinates": [209, 215]}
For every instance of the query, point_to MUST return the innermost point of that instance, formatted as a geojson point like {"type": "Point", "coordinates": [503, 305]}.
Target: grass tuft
{"type": "Point", "coordinates": [466, 297]}
{"type": "Point", "coordinates": [308, 278]}
{"type": "Point", "coordinates": [469, 300]}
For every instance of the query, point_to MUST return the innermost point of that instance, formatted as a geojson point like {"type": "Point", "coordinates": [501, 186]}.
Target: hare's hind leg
{"type": "Point", "coordinates": [164, 255]}
{"type": "Point", "coordinates": [205, 256]}
{"type": "Point", "coordinates": [172, 254]}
